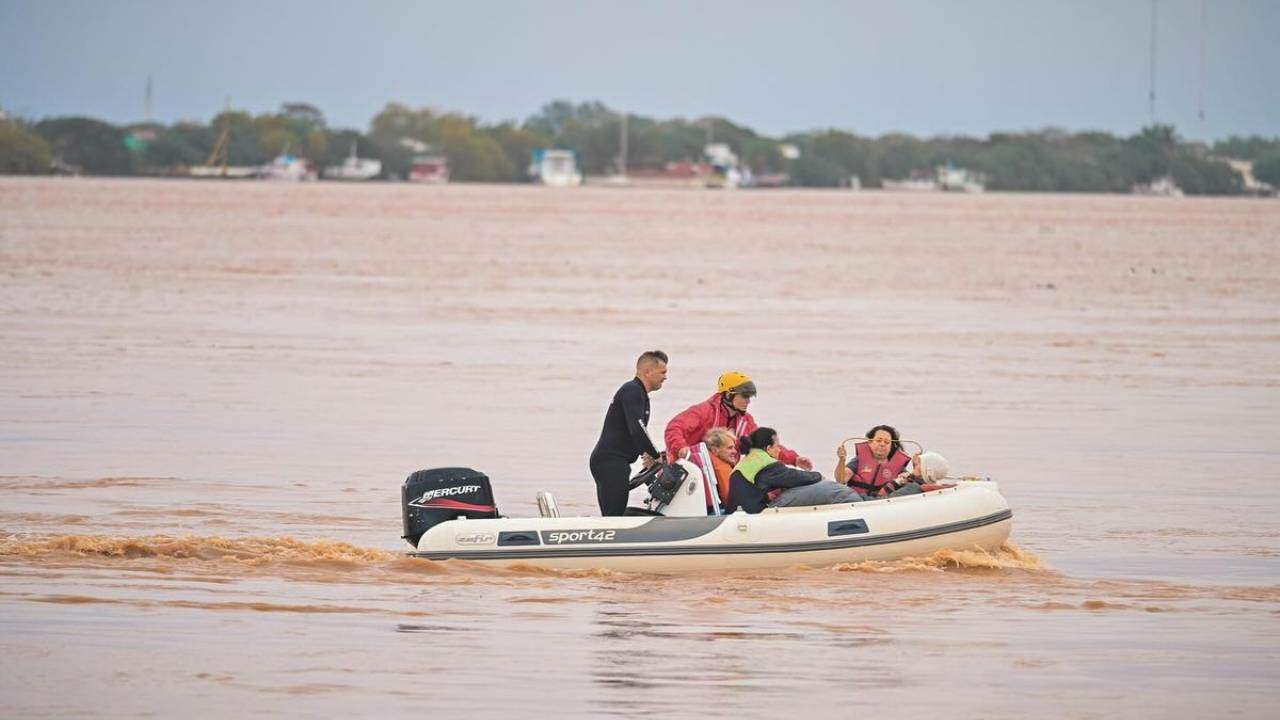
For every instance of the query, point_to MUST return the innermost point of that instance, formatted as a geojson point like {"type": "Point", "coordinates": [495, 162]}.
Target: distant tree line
{"type": "Point", "coordinates": [1047, 160]}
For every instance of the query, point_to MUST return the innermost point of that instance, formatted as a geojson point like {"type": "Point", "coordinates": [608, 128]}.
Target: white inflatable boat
{"type": "Point", "coordinates": [449, 514]}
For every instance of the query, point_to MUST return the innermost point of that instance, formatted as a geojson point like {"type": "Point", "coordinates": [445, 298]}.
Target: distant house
{"type": "Point", "coordinates": [1252, 185]}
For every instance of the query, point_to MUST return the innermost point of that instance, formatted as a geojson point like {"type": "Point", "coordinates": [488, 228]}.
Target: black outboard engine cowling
{"type": "Point", "coordinates": [430, 497]}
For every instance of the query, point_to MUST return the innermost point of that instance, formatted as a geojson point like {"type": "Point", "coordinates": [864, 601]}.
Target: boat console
{"type": "Point", "coordinates": [676, 489]}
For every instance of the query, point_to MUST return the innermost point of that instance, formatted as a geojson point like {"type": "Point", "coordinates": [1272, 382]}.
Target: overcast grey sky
{"type": "Point", "coordinates": [922, 66]}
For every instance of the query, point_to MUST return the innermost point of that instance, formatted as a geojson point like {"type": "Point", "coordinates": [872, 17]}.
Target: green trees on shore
{"type": "Point", "coordinates": [22, 152]}
{"type": "Point", "coordinates": [1267, 168]}
{"type": "Point", "coordinates": [1047, 160]}
{"type": "Point", "coordinates": [87, 144]}
{"type": "Point", "coordinates": [251, 140]}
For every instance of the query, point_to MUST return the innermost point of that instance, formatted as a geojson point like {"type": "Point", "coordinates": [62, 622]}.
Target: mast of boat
{"type": "Point", "coordinates": [1151, 96]}
{"type": "Point", "coordinates": [622, 144]}
{"type": "Point", "coordinates": [220, 147]}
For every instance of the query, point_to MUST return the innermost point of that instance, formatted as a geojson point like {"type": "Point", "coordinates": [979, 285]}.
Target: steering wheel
{"type": "Point", "coordinates": [644, 476]}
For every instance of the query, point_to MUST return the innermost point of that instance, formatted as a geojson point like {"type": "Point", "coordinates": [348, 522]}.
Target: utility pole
{"type": "Point", "coordinates": [146, 102]}
{"type": "Point", "coordinates": [1151, 96]}
{"type": "Point", "coordinates": [1203, 32]}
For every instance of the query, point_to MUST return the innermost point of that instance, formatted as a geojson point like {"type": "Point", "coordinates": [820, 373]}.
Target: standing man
{"type": "Point", "coordinates": [624, 436]}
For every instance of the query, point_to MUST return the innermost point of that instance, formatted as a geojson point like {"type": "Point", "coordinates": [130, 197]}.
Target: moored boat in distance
{"type": "Point", "coordinates": [216, 165]}
{"type": "Point", "coordinates": [230, 172]}
{"type": "Point", "coordinates": [726, 172]}
{"type": "Point", "coordinates": [354, 168]}
{"type": "Point", "coordinates": [556, 168]}
{"type": "Point", "coordinates": [947, 178]}
{"type": "Point", "coordinates": [958, 179]}
{"type": "Point", "coordinates": [429, 169]}
{"type": "Point", "coordinates": [915, 183]}
{"type": "Point", "coordinates": [1163, 186]}
{"type": "Point", "coordinates": [288, 167]}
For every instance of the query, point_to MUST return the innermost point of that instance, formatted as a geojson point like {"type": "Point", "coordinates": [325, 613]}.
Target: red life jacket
{"type": "Point", "coordinates": [872, 475]}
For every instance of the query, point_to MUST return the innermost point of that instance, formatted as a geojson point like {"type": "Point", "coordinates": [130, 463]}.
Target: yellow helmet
{"type": "Point", "coordinates": [736, 382]}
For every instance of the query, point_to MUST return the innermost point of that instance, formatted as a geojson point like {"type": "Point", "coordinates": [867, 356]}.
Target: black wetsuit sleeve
{"type": "Point", "coordinates": [634, 401]}
{"type": "Point", "coordinates": [778, 475]}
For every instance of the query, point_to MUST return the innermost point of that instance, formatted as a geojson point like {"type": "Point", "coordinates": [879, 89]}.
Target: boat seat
{"type": "Point", "coordinates": [547, 505]}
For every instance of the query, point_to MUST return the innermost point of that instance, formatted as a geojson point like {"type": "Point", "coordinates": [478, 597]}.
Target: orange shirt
{"type": "Point", "coordinates": [723, 471]}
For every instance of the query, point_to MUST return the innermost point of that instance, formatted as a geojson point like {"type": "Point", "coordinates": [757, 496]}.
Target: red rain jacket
{"type": "Point", "coordinates": [689, 427]}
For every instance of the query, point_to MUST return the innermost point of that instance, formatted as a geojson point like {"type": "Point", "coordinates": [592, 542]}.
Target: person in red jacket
{"type": "Point", "coordinates": [727, 408]}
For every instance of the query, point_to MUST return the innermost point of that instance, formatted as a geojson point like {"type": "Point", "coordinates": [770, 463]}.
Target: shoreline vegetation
{"type": "Point", "coordinates": [1048, 160]}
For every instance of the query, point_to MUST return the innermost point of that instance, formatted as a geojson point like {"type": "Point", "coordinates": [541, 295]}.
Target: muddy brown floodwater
{"type": "Point", "coordinates": [210, 393]}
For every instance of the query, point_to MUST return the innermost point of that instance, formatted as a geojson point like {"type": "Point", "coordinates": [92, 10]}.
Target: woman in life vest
{"type": "Point", "coordinates": [879, 469]}
{"type": "Point", "coordinates": [759, 480]}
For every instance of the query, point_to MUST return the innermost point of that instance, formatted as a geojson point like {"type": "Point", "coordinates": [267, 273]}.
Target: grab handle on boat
{"type": "Point", "coordinates": [859, 439]}
{"type": "Point", "coordinates": [547, 507]}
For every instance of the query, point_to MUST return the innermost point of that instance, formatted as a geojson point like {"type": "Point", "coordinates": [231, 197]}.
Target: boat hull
{"type": "Point", "coordinates": [969, 516]}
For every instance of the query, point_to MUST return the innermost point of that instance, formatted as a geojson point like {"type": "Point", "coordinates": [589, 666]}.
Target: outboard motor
{"type": "Point", "coordinates": [433, 496]}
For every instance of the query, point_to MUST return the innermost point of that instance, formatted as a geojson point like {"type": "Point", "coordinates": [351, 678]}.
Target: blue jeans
{"type": "Point", "coordinates": [823, 492]}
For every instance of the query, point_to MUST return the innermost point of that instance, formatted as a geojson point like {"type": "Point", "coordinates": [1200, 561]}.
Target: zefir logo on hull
{"type": "Point", "coordinates": [561, 537]}
{"type": "Point", "coordinates": [480, 538]}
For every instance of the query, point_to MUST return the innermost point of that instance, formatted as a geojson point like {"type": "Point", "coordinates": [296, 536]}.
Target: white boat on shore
{"type": "Point", "coordinates": [354, 168]}
{"type": "Point", "coordinates": [230, 172]}
{"type": "Point", "coordinates": [288, 167]}
{"type": "Point", "coordinates": [429, 170]}
{"type": "Point", "coordinates": [449, 515]}
{"type": "Point", "coordinates": [958, 179]}
{"type": "Point", "coordinates": [947, 178]}
{"type": "Point", "coordinates": [1164, 186]}
{"type": "Point", "coordinates": [918, 184]}
{"type": "Point", "coordinates": [556, 168]}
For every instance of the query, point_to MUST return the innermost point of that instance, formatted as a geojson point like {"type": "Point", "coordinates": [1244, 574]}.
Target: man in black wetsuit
{"type": "Point", "coordinates": [623, 437]}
